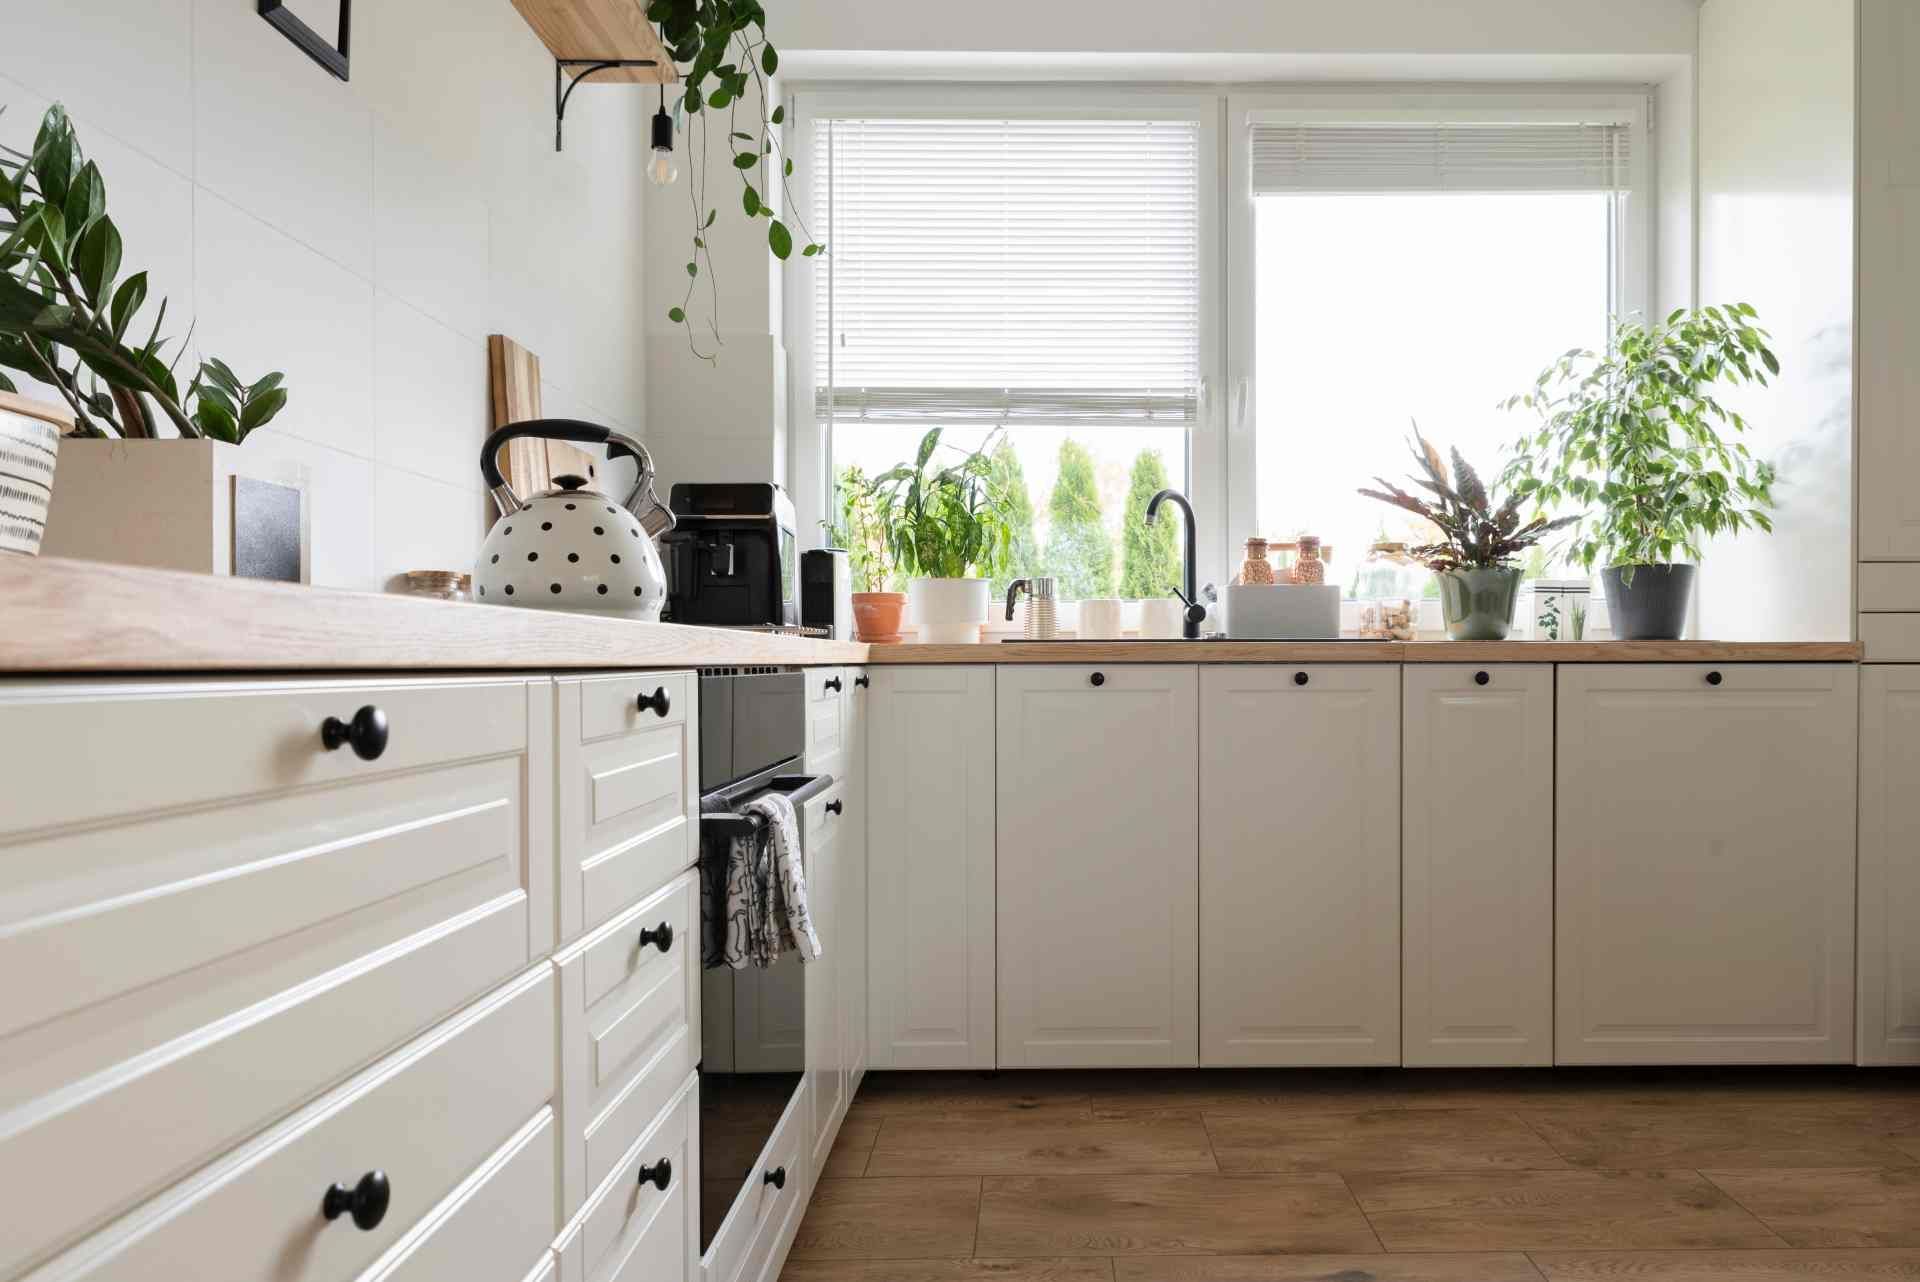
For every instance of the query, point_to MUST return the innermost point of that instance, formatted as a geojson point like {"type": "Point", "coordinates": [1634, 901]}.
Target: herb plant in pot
{"type": "Point", "coordinates": [1474, 560]}
{"type": "Point", "coordinates": [945, 524]}
{"type": "Point", "coordinates": [1636, 435]}
{"type": "Point", "coordinates": [877, 611]}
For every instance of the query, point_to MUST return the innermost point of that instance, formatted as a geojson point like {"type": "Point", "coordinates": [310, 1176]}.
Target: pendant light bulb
{"type": "Point", "coordinates": [662, 167]}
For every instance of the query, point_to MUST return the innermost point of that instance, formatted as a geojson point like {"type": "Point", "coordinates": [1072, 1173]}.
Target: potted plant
{"type": "Point", "coordinates": [945, 525]}
{"type": "Point", "coordinates": [1474, 560]}
{"type": "Point", "coordinates": [877, 611]}
{"type": "Point", "coordinates": [69, 320]}
{"type": "Point", "coordinates": [1636, 435]}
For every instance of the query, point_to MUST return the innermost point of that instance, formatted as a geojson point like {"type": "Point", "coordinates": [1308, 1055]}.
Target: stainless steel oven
{"type": "Point", "coordinates": [753, 1050]}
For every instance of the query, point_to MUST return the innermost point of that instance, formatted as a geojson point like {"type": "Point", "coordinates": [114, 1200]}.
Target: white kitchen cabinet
{"type": "Point", "coordinates": [930, 830]}
{"type": "Point", "coordinates": [822, 820]}
{"type": "Point", "coordinates": [1098, 866]}
{"type": "Point", "coordinates": [1705, 863]}
{"type": "Point", "coordinates": [1889, 971]}
{"type": "Point", "coordinates": [852, 906]}
{"type": "Point", "coordinates": [1300, 865]}
{"type": "Point", "coordinates": [1477, 865]}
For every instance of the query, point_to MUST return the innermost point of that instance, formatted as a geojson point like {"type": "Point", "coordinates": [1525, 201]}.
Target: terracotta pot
{"type": "Point", "coordinates": [876, 616]}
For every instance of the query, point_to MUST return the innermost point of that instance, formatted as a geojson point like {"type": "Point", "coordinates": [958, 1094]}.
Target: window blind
{"type": "Point", "coordinates": [1451, 156]}
{"type": "Point", "coordinates": [1042, 272]}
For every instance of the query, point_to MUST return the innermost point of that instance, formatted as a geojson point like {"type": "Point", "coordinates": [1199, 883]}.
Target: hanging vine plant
{"type": "Point", "coordinates": [722, 52]}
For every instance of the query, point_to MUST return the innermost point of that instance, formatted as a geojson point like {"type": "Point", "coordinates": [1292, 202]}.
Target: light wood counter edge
{"type": "Point", "coordinates": [1011, 652]}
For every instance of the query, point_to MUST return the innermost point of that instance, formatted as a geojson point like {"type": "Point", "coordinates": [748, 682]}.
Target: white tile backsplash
{"type": "Point", "coordinates": [365, 237]}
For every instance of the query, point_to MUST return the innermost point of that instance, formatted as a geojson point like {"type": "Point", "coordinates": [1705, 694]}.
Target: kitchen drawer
{"type": "Point", "coordinates": [740, 1245]}
{"type": "Point", "coordinates": [634, 1231]}
{"type": "Point", "coordinates": [220, 963]}
{"type": "Point", "coordinates": [1889, 586]}
{"type": "Point", "coordinates": [822, 817]}
{"type": "Point", "coordinates": [826, 734]}
{"type": "Point", "coordinates": [426, 1116]}
{"type": "Point", "coordinates": [628, 792]}
{"type": "Point", "coordinates": [629, 1030]}
{"type": "Point", "coordinates": [491, 1224]}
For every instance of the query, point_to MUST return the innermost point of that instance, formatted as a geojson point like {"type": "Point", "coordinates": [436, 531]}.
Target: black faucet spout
{"type": "Point", "coordinates": [1189, 570]}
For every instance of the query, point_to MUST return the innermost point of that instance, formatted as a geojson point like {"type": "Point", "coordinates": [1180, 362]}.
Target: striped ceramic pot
{"type": "Point", "coordinates": [29, 441]}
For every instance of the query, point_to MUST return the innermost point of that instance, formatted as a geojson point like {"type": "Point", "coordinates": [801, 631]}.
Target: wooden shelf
{"type": "Point", "coordinates": [601, 29]}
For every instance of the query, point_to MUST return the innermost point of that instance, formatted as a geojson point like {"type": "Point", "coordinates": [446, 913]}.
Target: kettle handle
{"type": "Point", "coordinates": [1013, 590]}
{"type": "Point", "coordinates": [551, 429]}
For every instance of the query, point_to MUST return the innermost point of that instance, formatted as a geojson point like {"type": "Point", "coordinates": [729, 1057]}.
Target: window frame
{"type": "Point", "coordinates": [1631, 247]}
{"type": "Point", "coordinates": [810, 458]}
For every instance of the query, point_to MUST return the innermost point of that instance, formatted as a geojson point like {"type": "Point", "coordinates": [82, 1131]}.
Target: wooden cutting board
{"type": "Point", "coordinates": [529, 465]}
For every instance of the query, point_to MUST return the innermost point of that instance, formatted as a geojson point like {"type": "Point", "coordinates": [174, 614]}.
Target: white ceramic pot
{"type": "Point", "coordinates": [1099, 619]}
{"type": "Point", "coordinates": [1162, 618]}
{"type": "Point", "coordinates": [949, 611]}
{"type": "Point", "coordinates": [29, 443]}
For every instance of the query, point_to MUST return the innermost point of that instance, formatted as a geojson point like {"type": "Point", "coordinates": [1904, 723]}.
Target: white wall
{"type": "Point", "coordinates": [1776, 231]}
{"type": "Point", "coordinates": [364, 237]}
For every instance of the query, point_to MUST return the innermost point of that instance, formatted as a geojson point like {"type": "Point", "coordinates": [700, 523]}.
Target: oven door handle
{"type": "Point", "coordinates": [731, 823]}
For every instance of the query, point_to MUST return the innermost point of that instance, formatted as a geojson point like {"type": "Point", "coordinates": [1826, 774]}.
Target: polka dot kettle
{"type": "Point", "coordinates": [572, 548]}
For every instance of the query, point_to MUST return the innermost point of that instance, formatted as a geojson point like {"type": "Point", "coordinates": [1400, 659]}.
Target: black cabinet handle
{"type": "Point", "coordinates": [1713, 678]}
{"type": "Point", "coordinates": [776, 1177]}
{"type": "Point", "coordinates": [365, 1201]}
{"type": "Point", "coordinates": [658, 701]}
{"type": "Point", "coordinates": [1299, 678]}
{"type": "Point", "coordinates": [835, 807]}
{"type": "Point", "coordinates": [833, 684]}
{"type": "Point", "coordinates": [660, 1174]}
{"type": "Point", "coordinates": [367, 732]}
{"type": "Point", "coordinates": [660, 937]}
{"type": "Point", "coordinates": [1097, 679]}
{"type": "Point", "coordinates": [1481, 678]}
{"type": "Point", "coordinates": [863, 682]}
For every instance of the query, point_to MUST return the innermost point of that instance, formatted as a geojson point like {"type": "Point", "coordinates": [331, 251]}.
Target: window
{"type": "Point", "coordinates": [1026, 280]}
{"type": "Point", "coordinates": [1408, 269]}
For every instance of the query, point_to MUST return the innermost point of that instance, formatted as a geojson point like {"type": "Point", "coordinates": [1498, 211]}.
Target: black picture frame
{"type": "Point", "coordinates": [330, 54]}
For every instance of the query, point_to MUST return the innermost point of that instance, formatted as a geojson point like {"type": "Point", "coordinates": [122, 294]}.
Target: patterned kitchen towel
{"type": "Point", "coordinates": [737, 903]}
{"type": "Point", "coordinates": [790, 924]}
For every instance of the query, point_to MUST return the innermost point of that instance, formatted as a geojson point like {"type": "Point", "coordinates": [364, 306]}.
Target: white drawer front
{"type": "Point", "coordinates": [826, 733]}
{"type": "Point", "coordinates": [822, 817]}
{"type": "Point", "coordinates": [491, 1225]}
{"type": "Point", "coordinates": [628, 794]}
{"type": "Point", "coordinates": [826, 684]}
{"type": "Point", "coordinates": [426, 1117]}
{"type": "Point", "coordinates": [217, 965]}
{"type": "Point", "coordinates": [629, 1029]}
{"type": "Point", "coordinates": [635, 1231]}
{"type": "Point", "coordinates": [739, 1243]}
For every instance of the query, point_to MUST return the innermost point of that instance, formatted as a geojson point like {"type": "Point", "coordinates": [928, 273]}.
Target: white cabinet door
{"type": "Point", "coordinates": [853, 882]}
{"type": "Point", "coordinates": [1477, 865]}
{"type": "Point", "coordinates": [1705, 863]}
{"type": "Point", "coordinates": [930, 867]}
{"type": "Point", "coordinates": [1889, 865]}
{"type": "Point", "coordinates": [821, 821]}
{"type": "Point", "coordinates": [1099, 867]}
{"type": "Point", "coordinates": [1300, 865]}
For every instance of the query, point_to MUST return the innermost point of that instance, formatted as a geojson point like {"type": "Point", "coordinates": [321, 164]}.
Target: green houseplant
{"type": "Point", "coordinates": [1474, 559]}
{"type": "Point", "coordinates": [945, 523]}
{"type": "Point", "coordinates": [857, 527]}
{"type": "Point", "coordinates": [1635, 435]}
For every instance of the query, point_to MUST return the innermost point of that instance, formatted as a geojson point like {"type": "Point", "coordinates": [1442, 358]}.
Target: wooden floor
{"type": "Point", "coordinates": [1389, 1176]}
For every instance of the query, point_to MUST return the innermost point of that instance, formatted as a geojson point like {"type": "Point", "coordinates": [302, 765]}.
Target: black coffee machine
{"type": "Point", "coordinates": [731, 559]}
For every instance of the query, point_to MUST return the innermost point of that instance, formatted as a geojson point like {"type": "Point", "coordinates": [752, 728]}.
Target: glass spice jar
{"type": "Point", "coordinates": [1388, 587]}
{"type": "Point", "coordinates": [1255, 569]}
{"type": "Point", "coordinates": [1309, 569]}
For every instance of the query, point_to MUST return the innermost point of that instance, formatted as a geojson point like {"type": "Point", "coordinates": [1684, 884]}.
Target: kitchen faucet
{"type": "Point", "coordinates": [1189, 592]}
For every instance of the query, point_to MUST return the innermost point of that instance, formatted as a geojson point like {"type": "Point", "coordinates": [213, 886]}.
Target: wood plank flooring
{"type": "Point", "coordinates": [1372, 1176]}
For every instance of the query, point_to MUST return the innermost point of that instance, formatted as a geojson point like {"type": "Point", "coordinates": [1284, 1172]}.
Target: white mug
{"type": "Point", "coordinates": [1162, 617]}
{"type": "Point", "coordinates": [1100, 619]}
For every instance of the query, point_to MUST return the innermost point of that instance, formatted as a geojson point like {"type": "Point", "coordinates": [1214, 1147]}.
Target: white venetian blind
{"type": "Point", "coordinates": [1450, 156]}
{"type": "Point", "coordinates": [1008, 271]}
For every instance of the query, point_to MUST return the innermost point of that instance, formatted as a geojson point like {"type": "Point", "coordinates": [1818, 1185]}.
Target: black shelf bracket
{"type": "Point", "coordinates": [563, 87]}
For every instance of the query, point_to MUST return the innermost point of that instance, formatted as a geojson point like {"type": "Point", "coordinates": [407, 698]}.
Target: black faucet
{"type": "Point", "coordinates": [1189, 591]}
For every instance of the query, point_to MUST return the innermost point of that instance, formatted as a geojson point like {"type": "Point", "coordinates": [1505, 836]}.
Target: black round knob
{"type": "Point", "coordinates": [863, 682]}
{"type": "Point", "coordinates": [835, 807]}
{"type": "Point", "coordinates": [1196, 613]}
{"type": "Point", "coordinates": [658, 701]}
{"type": "Point", "coordinates": [365, 1201]}
{"type": "Point", "coordinates": [776, 1177]}
{"type": "Point", "coordinates": [1097, 679]}
{"type": "Point", "coordinates": [1481, 678]}
{"type": "Point", "coordinates": [660, 936]}
{"type": "Point", "coordinates": [1299, 678]}
{"type": "Point", "coordinates": [1713, 678]}
{"type": "Point", "coordinates": [833, 684]}
{"type": "Point", "coordinates": [367, 732]}
{"type": "Point", "coordinates": [660, 1174]}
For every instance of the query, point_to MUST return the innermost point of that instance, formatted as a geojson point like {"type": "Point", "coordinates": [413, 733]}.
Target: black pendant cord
{"type": "Point", "coordinates": [563, 88]}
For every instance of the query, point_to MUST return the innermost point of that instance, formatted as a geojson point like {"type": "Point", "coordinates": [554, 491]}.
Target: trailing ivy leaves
{"type": "Point", "coordinates": [65, 315]}
{"type": "Point", "coordinates": [779, 239]}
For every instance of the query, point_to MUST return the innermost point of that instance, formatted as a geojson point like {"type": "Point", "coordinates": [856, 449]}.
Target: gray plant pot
{"type": "Point", "coordinates": [1478, 604]}
{"type": "Point", "coordinates": [1654, 606]}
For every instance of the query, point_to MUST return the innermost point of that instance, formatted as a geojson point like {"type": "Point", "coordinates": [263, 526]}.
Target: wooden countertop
{"type": "Point", "coordinates": [91, 617]}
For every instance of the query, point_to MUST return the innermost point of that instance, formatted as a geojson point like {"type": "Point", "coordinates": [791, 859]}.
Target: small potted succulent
{"type": "Point", "coordinates": [1473, 562]}
{"type": "Point", "coordinates": [1632, 434]}
{"type": "Point", "coordinates": [945, 525]}
{"type": "Point", "coordinates": [877, 609]}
